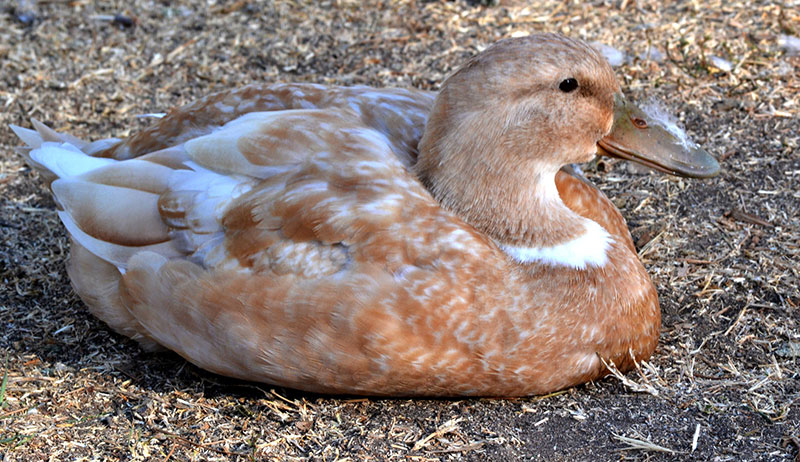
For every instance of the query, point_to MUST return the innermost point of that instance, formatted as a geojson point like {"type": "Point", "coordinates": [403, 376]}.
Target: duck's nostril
{"type": "Point", "coordinates": [638, 122]}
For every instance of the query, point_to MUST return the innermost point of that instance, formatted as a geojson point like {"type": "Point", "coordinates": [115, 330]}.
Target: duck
{"type": "Point", "coordinates": [380, 242]}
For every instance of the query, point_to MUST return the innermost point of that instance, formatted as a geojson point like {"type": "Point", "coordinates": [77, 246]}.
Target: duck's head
{"type": "Point", "coordinates": [545, 99]}
{"type": "Point", "coordinates": [504, 123]}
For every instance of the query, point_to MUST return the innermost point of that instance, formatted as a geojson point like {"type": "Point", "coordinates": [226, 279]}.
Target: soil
{"type": "Point", "coordinates": [723, 252]}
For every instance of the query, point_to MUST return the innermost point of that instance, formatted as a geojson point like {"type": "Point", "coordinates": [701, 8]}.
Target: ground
{"type": "Point", "coordinates": [723, 253]}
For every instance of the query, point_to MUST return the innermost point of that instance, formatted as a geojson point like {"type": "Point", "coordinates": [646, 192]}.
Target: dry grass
{"type": "Point", "coordinates": [724, 253]}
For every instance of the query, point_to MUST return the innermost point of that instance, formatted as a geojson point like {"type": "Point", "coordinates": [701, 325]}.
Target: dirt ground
{"type": "Point", "coordinates": [724, 253]}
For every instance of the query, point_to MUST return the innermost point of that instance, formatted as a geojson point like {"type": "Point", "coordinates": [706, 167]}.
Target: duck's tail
{"type": "Point", "coordinates": [108, 206]}
{"type": "Point", "coordinates": [108, 212]}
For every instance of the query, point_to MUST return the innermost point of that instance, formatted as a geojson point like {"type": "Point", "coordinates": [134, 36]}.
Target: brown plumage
{"type": "Point", "coordinates": [304, 236]}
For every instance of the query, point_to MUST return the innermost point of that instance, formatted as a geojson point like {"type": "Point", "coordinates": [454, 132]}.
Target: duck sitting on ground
{"type": "Point", "coordinates": [375, 242]}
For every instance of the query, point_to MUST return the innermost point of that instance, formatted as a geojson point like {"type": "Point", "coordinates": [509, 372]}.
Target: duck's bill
{"type": "Point", "coordinates": [655, 143]}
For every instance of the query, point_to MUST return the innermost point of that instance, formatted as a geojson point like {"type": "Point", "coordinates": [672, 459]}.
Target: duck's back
{"type": "Point", "coordinates": [398, 113]}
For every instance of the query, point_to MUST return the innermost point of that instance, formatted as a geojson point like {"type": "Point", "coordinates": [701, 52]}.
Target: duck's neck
{"type": "Point", "coordinates": [522, 212]}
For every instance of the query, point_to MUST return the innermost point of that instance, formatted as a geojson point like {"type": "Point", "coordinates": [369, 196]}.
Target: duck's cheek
{"type": "Point", "coordinates": [584, 152]}
{"type": "Point", "coordinates": [590, 154]}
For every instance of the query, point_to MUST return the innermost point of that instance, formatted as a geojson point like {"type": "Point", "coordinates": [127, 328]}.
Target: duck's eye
{"type": "Point", "coordinates": [639, 123]}
{"type": "Point", "coordinates": [567, 85]}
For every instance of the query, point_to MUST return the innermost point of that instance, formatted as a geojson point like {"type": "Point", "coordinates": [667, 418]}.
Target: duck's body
{"type": "Point", "coordinates": [299, 247]}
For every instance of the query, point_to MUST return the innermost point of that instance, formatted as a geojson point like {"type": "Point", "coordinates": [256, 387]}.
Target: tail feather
{"type": "Point", "coordinates": [31, 137]}
{"type": "Point", "coordinates": [117, 255]}
{"type": "Point", "coordinates": [65, 160]}
{"type": "Point", "coordinates": [32, 140]}
{"type": "Point", "coordinates": [48, 134]}
{"type": "Point", "coordinates": [120, 215]}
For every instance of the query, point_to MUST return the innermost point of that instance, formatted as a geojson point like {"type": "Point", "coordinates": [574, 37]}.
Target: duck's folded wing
{"type": "Point", "coordinates": [292, 247]}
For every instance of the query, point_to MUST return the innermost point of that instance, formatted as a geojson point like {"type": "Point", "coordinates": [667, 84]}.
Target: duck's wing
{"type": "Point", "coordinates": [400, 114]}
{"type": "Point", "coordinates": [291, 247]}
